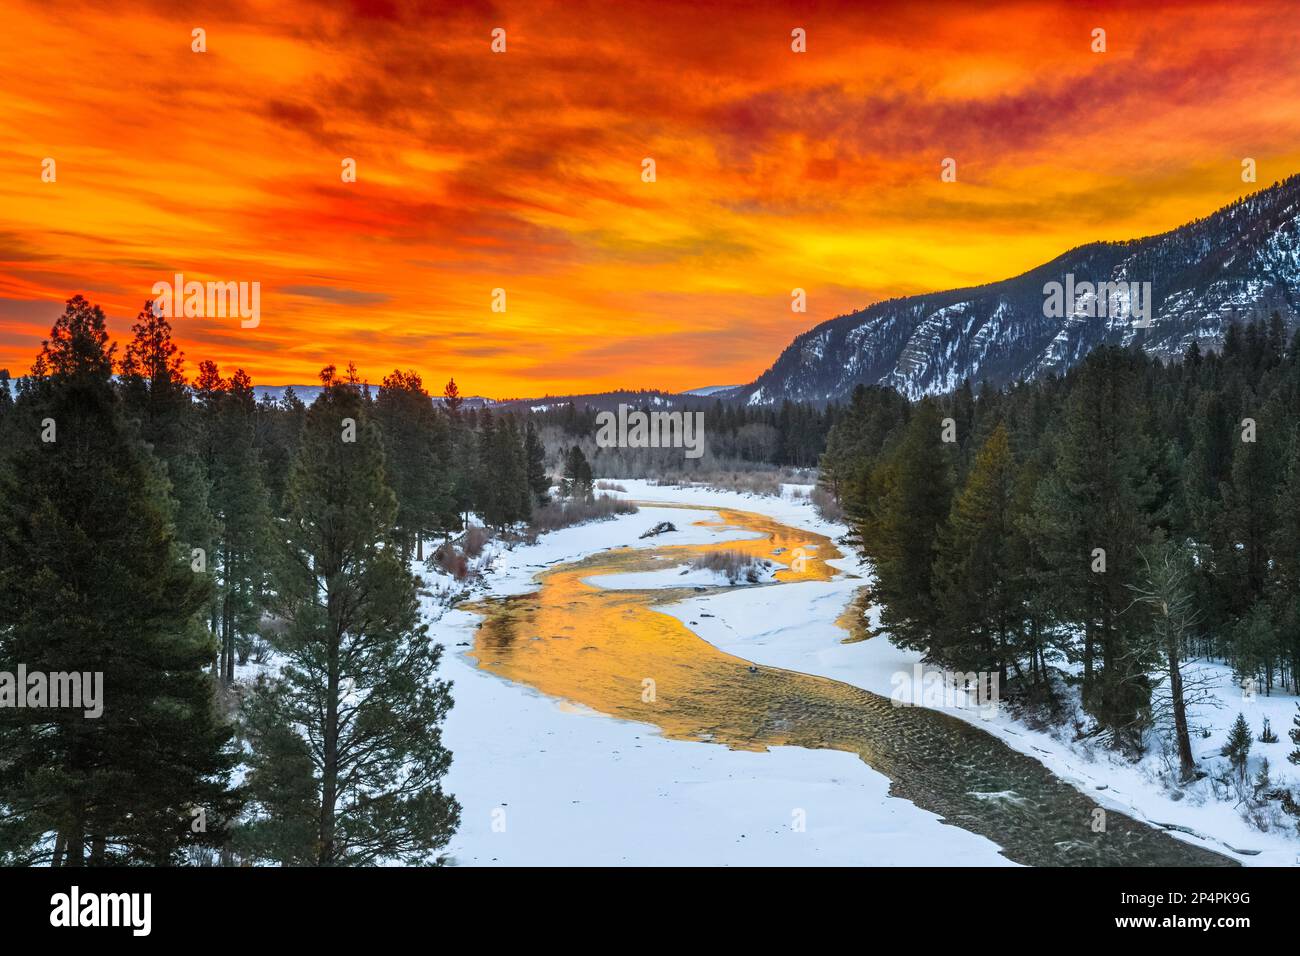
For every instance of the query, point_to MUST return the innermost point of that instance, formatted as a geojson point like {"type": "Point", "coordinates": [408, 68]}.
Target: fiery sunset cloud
{"type": "Point", "coordinates": [522, 170]}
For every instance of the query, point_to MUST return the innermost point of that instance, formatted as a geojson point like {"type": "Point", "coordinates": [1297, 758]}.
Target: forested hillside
{"type": "Point", "coordinates": [1093, 531]}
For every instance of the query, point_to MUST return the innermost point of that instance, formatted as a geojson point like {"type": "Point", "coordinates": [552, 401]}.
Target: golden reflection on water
{"type": "Point", "coordinates": [614, 651]}
{"type": "Point", "coordinates": [598, 646]}
{"type": "Point", "coordinates": [854, 617]}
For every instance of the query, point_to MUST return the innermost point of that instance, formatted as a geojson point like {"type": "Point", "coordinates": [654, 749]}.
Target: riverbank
{"type": "Point", "coordinates": [542, 781]}
{"type": "Point", "coordinates": [573, 786]}
{"type": "Point", "coordinates": [771, 627]}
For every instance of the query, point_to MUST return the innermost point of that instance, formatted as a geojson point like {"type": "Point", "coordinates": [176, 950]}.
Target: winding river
{"type": "Point", "coordinates": [594, 646]}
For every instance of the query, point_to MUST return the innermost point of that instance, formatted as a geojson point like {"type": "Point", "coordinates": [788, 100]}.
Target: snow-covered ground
{"type": "Point", "coordinates": [544, 781]}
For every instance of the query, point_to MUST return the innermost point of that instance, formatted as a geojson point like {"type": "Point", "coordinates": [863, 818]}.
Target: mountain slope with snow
{"type": "Point", "coordinates": [1238, 264]}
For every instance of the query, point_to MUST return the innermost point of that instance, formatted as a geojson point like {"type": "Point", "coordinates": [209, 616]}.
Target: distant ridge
{"type": "Point", "coordinates": [709, 390]}
{"type": "Point", "coordinates": [1238, 264]}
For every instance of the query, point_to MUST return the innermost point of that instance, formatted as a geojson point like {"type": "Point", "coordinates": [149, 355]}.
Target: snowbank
{"type": "Point", "coordinates": [575, 787]}
{"type": "Point", "coordinates": [793, 627]}
{"type": "Point", "coordinates": [542, 781]}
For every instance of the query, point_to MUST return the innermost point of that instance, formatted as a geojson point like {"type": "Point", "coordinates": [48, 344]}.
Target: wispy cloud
{"type": "Point", "coordinates": [522, 170]}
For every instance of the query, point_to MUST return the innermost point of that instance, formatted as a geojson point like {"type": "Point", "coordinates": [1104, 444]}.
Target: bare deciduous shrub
{"type": "Point", "coordinates": [563, 514]}
{"type": "Point", "coordinates": [743, 482]}
{"type": "Point", "coordinates": [262, 650]}
{"type": "Point", "coordinates": [825, 505]}
{"type": "Point", "coordinates": [736, 565]}
{"type": "Point", "coordinates": [451, 560]}
{"type": "Point", "coordinates": [475, 539]}
{"type": "Point", "coordinates": [610, 486]}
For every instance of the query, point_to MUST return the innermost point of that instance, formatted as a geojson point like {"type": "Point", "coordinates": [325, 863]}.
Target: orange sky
{"type": "Point", "coordinates": [522, 170]}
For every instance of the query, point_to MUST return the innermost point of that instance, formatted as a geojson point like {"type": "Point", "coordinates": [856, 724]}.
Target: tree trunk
{"type": "Point", "coordinates": [330, 770]}
{"type": "Point", "coordinates": [77, 835]}
{"type": "Point", "coordinates": [1186, 765]}
{"type": "Point", "coordinates": [227, 643]}
{"type": "Point", "coordinates": [1087, 660]}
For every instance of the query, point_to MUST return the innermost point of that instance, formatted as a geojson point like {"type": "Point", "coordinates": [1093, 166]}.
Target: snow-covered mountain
{"type": "Point", "coordinates": [1240, 263]}
{"type": "Point", "coordinates": [708, 390]}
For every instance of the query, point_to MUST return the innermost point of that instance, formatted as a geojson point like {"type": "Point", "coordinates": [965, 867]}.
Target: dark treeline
{"type": "Point", "coordinates": [162, 530]}
{"type": "Point", "coordinates": [1123, 518]}
{"type": "Point", "coordinates": [792, 435]}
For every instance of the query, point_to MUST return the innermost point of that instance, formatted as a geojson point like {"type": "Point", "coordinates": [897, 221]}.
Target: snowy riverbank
{"type": "Point", "coordinates": [543, 781]}
{"type": "Point", "coordinates": [771, 627]}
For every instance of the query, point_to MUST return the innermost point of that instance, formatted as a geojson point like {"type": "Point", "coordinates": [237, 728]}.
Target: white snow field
{"type": "Point", "coordinates": [547, 782]}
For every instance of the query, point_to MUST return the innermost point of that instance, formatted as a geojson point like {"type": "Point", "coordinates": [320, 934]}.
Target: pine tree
{"type": "Point", "coordinates": [1285, 565]}
{"type": "Point", "coordinates": [577, 481]}
{"type": "Point", "coordinates": [156, 399]}
{"type": "Point", "coordinates": [241, 505]}
{"type": "Point", "coordinates": [153, 383]}
{"type": "Point", "coordinates": [512, 469]}
{"type": "Point", "coordinates": [503, 496]}
{"type": "Point", "coordinates": [92, 581]}
{"type": "Point", "coordinates": [539, 482]}
{"type": "Point", "coordinates": [1254, 645]}
{"type": "Point", "coordinates": [1237, 749]}
{"type": "Point", "coordinates": [282, 810]}
{"type": "Point", "coordinates": [360, 672]}
{"type": "Point", "coordinates": [1166, 589]}
{"type": "Point", "coordinates": [486, 480]}
{"type": "Point", "coordinates": [979, 579]}
{"type": "Point", "coordinates": [6, 412]}
{"type": "Point", "coordinates": [1091, 516]}
{"type": "Point", "coordinates": [1294, 734]}
{"type": "Point", "coordinates": [856, 440]}
{"type": "Point", "coordinates": [451, 398]}
{"type": "Point", "coordinates": [415, 468]}
{"type": "Point", "coordinates": [913, 507]}
{"type": "Point", "coordinates": [1248, 520]}
{"type": "Point", "coordinates": [278, 425]}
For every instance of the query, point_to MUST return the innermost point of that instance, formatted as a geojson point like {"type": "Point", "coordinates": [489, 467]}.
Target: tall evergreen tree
{"type": "Point", "coordinates": [1285, 549]}
{"type": "Point", "coordinates": [577, 482]}
{"type": "Point", "coordinates": [1166, 589]}
{"type": "Point", "coordinates": [1248, 519]}
{"type": "Point", "coordinates": [1091, 517]}
{"type": "Point", "coordinates": [92, 581]}
{"type": "Point", "coordinates": [452, 400]}
{"type": "Point", "coordinates": [241, 504]}
{"type": "Point", "coordinates": [157, 400]}
{"type": "Point", "coordinates": [915, 497]}
{"type": "Point", "coordinates": [281, 822]}
{"type": "Point", "coordinates": [360, 674]}
{"type": "Point", "coordinates": [979, 575]}
{"type": "Point", "coordinates": [539, 482]}
{"type": "Point", "coordinates": [415, 462]}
